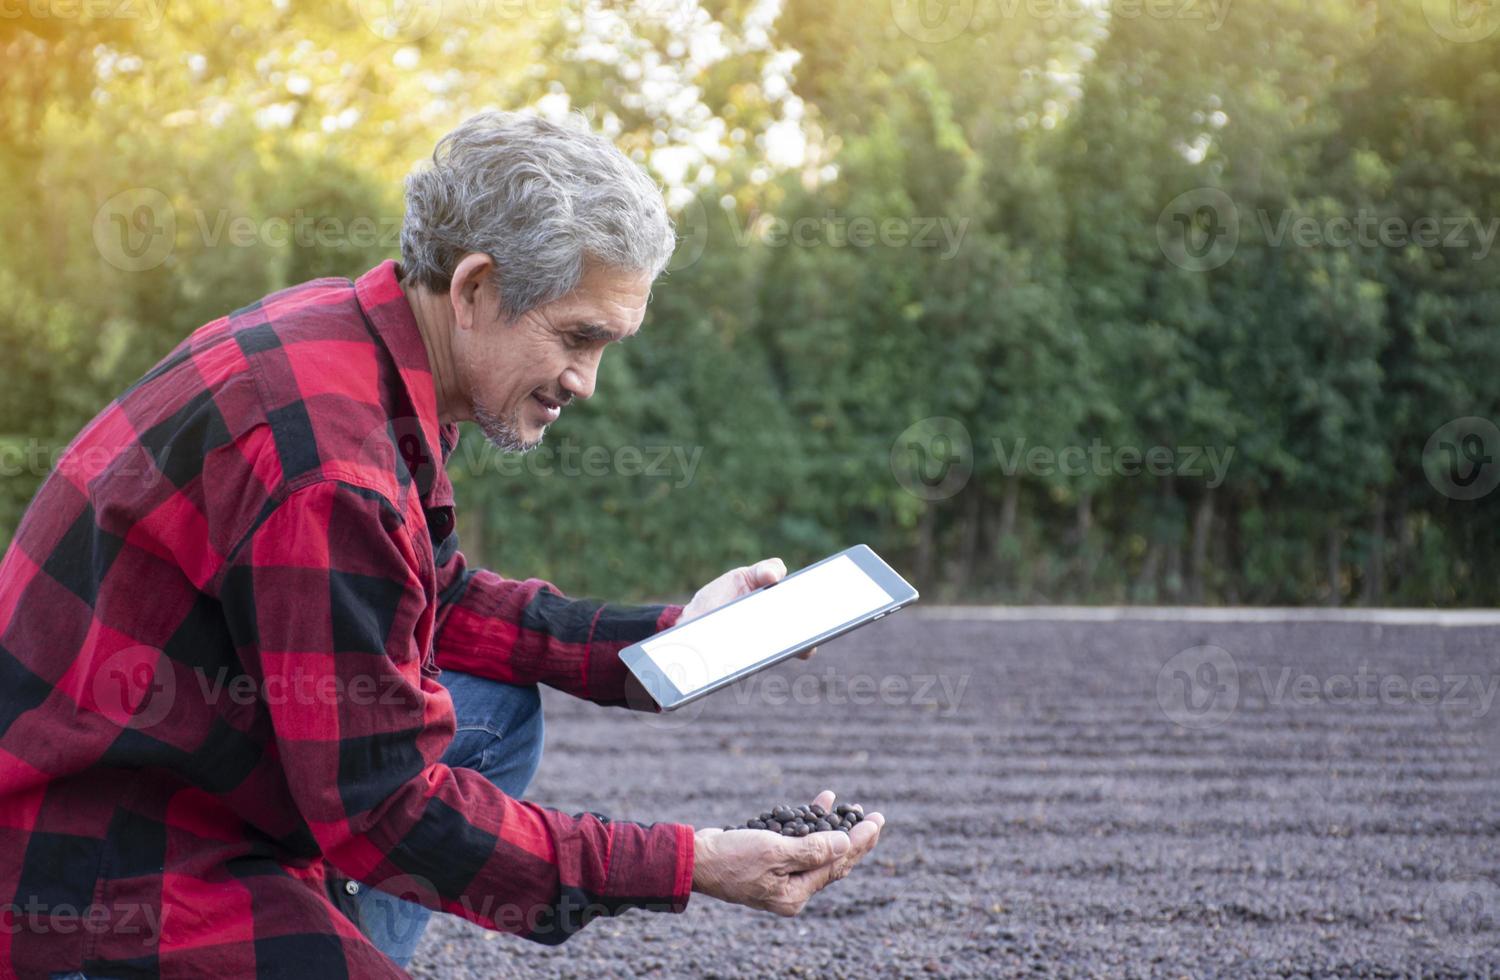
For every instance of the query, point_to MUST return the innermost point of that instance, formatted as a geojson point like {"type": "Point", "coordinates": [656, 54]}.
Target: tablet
{"type": "Point", "coordinates": [809, 606]}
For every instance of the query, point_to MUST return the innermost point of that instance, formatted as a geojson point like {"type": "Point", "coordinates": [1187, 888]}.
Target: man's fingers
{"type": "Point", "coordinates": [864, 835]}
{"type": "Point", "coordinates": [818, 860]}
{"type": "Point", "coordinates": [861, 840]}
{"type": "Point", "coordinates": [767, 572]}
{"type": "Point", "coordinates": [824, 800]}
{"type": "Point", "coordinates": [805, 884]}
{"type": "Point", "coordinates": [815, 851]}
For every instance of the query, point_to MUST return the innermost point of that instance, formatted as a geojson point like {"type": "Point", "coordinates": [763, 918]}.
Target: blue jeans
{"type": "Point", "coordinates": [499, 734]}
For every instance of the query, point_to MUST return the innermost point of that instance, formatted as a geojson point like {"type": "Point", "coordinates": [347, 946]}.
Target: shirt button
{"type": "Point", "coordinates": [351, 887]}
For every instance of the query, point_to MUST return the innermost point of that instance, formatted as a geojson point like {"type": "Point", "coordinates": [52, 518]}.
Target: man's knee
{"type": "Point", "coordinates": [523, 727]}
{"type": "Point", "coordinates": [499, 729]}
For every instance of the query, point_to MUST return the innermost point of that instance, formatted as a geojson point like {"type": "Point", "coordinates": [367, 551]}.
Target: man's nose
{"type": "Point", "coordinates": [579, 381]}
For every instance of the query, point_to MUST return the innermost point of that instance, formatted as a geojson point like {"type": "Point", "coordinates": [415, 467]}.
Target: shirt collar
{"type": "Point", "coordinates": [385, 306]}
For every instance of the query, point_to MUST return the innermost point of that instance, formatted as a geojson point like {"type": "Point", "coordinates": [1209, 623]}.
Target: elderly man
{"type": "Point", "coordinates": [257, 714]}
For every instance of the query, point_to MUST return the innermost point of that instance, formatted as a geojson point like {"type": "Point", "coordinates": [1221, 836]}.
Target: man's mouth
{"type": "Point", "coordinates": [550, 408]}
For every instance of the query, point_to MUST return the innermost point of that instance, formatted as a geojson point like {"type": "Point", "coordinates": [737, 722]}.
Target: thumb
{"type": "Point", "coordinates": [767, 572]}
{"type": "Point", "coordinates": [817, 850]}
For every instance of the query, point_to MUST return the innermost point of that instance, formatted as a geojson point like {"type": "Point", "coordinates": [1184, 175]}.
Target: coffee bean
{"type": "Point", "coordinates": [800, 820]}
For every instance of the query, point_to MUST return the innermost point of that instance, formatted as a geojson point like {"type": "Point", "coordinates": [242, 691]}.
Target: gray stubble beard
{"type": "Point", "coordinates": [503, 434]}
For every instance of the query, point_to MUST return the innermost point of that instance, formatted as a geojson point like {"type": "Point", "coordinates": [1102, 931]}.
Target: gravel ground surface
{"type": "Point", "coordinates": [1070, 799]}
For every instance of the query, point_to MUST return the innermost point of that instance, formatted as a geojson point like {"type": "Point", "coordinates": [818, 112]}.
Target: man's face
{"type": "Point", "coordinates": [550, 355]}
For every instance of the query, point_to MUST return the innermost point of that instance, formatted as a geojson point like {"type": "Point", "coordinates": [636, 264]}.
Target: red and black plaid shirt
{"type": "Point", "coordinates": [221, 624]}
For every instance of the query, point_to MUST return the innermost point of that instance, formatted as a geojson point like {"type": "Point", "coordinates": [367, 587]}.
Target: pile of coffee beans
{"type": "Point", "coordinates": [799, 821]}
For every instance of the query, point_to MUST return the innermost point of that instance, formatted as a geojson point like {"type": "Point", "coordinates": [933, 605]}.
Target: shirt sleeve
{"type": "Point", "coordinates": [328, 610]}
{"type": "Point", "coordinates": [529, 632]}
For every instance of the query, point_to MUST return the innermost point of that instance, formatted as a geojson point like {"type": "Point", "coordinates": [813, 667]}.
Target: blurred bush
{"type": "Point", "coordinates": [1018, 186]}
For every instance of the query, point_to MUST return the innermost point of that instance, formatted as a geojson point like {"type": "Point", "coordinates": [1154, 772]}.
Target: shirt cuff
{"type": "Point", "coordinates": [683, 888]}
{"type": "Point", "coordinates": [651, 869]}
{"type": "Point", "coordinates": [668, 618]}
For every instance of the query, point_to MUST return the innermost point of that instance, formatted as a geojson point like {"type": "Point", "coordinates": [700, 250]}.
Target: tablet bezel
{"type": "Point", "coordinates": [664, 692]}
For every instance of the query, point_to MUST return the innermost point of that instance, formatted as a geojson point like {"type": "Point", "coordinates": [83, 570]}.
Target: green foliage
{"type": "Point", "coordinates": [758, 412]}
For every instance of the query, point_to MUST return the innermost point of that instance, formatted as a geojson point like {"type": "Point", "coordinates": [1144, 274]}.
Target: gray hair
{"type": "Point", "coordinates": [541, 198]}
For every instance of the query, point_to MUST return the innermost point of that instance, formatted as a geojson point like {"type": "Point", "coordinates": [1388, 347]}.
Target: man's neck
{"type": "Point", "coordinates": [434, 323]}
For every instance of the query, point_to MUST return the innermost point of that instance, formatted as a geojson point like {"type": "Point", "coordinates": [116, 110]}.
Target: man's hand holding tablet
{"type": "Point", "coordinates": [733, 584]}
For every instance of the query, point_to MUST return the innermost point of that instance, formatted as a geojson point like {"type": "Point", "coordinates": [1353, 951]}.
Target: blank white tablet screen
{"type": "Point", "coordinates": [772, 620]}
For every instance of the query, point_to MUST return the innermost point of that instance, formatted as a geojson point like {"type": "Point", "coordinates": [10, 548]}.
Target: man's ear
{"type": "Point", "coordinates": [473, 301]}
